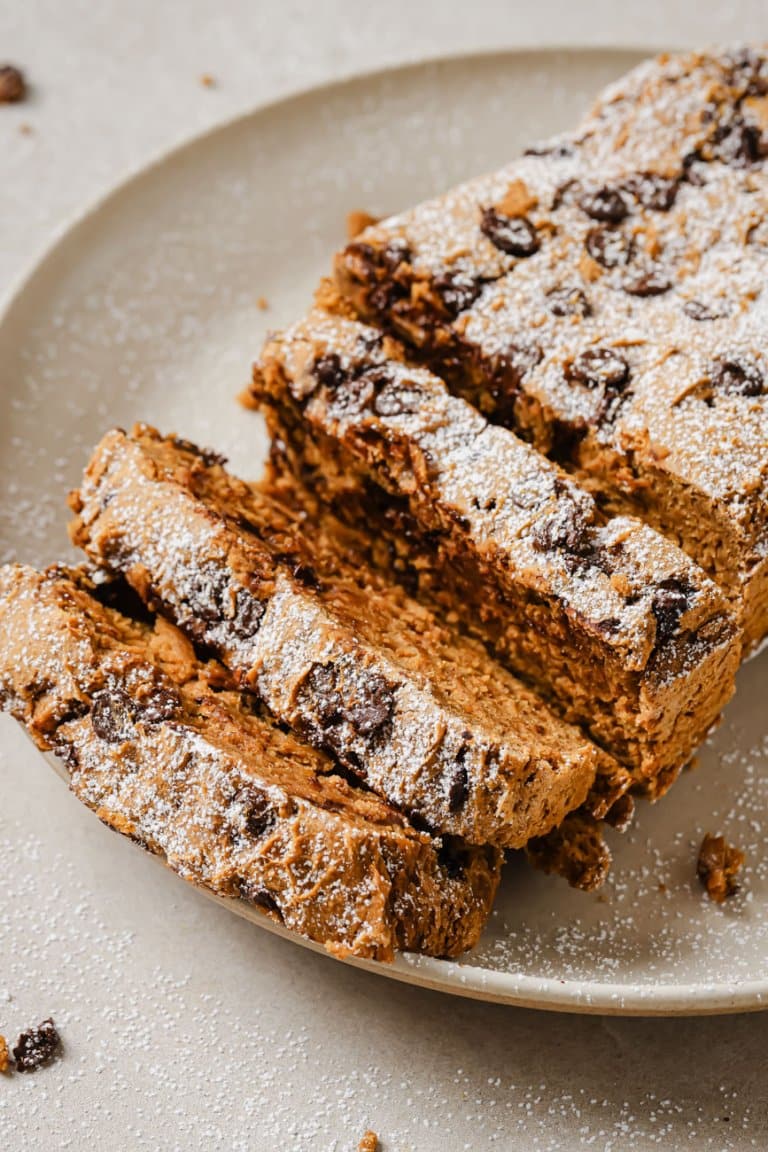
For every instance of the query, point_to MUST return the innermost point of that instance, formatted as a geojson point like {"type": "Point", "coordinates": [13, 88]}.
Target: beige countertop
{"type": "Point", "coordinates": [186, 1028]}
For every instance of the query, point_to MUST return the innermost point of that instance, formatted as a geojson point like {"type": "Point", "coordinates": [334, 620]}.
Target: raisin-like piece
{"type": "Point", "coordinates": [610, 247]}
{"type": "Point", "coordinates": [514, 235]}
{"type": "Point", "coordinates": [457, 291]}
{"type": "Point", "coordinates": [258, 813]}
{"type": "Point", "coordinates": [652, 282]}
{"type": "Point", "coordinates": [740, 145]}
{"type": "Point", "coordinates": [160, 705]}
{"type": "Point", "coordinates": [248, 614]}
{"type": "Point", "coordinates": [697, 310]}
{"type": "Point", "coordinates": [598, 367]}
{"type": "Point", "coordinates": [652, 190]}
{"type": "Point", "coordinates": [329, 371]}
{"type": "Point", "coordinates": [568, 302]}
{"type": "Point", "coordinates": [605, 204]}
{"type": "Point", "coordinates": [670, 601]}
{"type": "Point", "coordinates": [398, 398]}
{"type": "Point", "coordinates": [736, 378]}
{"type": "Point", "coordinates": [112, 715]}
{"type": "Point", "coordinates": [565, 529]}
{"type": "Point", "coordinates": [365, 703]}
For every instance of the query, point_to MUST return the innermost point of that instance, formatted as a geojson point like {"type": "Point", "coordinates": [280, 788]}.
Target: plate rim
{"type": "Point", "coordinates": [447, 976]}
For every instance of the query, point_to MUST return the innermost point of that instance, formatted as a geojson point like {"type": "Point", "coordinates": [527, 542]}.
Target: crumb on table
{"type": "Point", "coordinates": [36, 1046]}
{"type": "Point", "coordinates": [717, 867]}
{"type": "Point", "coordinates": [369, 1142]}
{"type": "Point", "coordinates": [357, 222]}
{"type": "Point", "coordinates": [4, 1057]}
{"type": "Point", "coordinates": [13, 87]}
{"type": "Point", "coordinates": [207, 80]}
{"type": "Point", "coordinates": [262, 303]}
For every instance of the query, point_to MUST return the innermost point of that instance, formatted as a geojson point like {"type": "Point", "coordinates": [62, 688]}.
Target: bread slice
{"type": "Point", "coordinates": [604, 295]}
{"type": "Point", "coordinates": [611, 621]}
{"type": "Point", "coordinates": [347, 659]}
{"type": "Point", "coordinates": [163, 749]}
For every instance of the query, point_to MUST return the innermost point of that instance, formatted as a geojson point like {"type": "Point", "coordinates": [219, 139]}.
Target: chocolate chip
{"type": "Point", "coordinates": [652, 190]}
{"type": "Point", "coordinates": [207, 591]}
{"type": "Point", "coordinates": [300, 570]}
{"type": "Point", "coordinates": [453, 857]}
{"type": "Point", "coordinates": [36, 1046]}
{"type": "Point", "coordinates": [557, 151]}
{"type": "Point", "coordinates": [735, 378]}
{"type": "Point", "coordinates": [605, 204]}
{"type": "Point", "coordinates": [394, 254]}
{"type": "Point", "coordinates": [341, 694]}
{"type": "Point", "coordinates": [67, 753]}
{"type": "Point", "coordinates": [258, 814]}
{"type": "Point", "coordinates": [566, 435]}
{"type": "Point", "coordinates": [504, 373]}
{"type": "Point", "coordinates": [260, 897]}
{"type": "Point", "coordinates": [670, 600]}
{"type": "Point", "coordinates": [329, 372]}
{"type": "Point", "coordinates": [398, 398]}
{"type": "Point", "coordinates": [458, 786]}
{"type": "Point", "coordinates": [739, 145]}
{"type": "Point", "coordinates": [610, 247]}
{"type": "Point", "coordinates": [598, 367]}
{"type": "Point", "coordinates": [249, 612]}
{"type": "Point", "coordinates": [697, 310]}
{"type": "Point", "coordinates": [568, 302]}
{"type": "Point", "coordinates": [12, 85]}
{"type": "Point", "coordinates": [653, 282]}
{"type": "Point", "coordinates": [514, 235]}
{"type": "Point", "coordinates": [565, 529]}
{"type": "Point", "coordinates": [693, 168]}
{"type": "Point", "coordinates": [457, 291]}
{"type": "Point", "coordinates": [161, 704]}
{"type": "Point", "coordinates": [112, 715]}
{"type": "Point", "coordinates": [207, 455]}
{"type": "Point", "coordinates": [306, 575]}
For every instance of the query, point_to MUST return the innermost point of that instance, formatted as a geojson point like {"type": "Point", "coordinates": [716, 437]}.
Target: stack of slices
{"type": "Point", "coordinates": [510, 551]}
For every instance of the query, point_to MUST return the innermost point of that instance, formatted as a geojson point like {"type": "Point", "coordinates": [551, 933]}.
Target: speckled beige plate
{"type": "Point", "coordinates": [149, 309]}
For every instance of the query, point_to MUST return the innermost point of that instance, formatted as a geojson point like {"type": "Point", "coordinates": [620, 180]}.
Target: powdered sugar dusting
{"type": "Point", "coordinates": [182, 1025]}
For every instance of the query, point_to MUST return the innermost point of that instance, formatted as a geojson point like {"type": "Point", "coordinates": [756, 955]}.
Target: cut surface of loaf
{"type": "Point", "coordinates": [164, 749]}
{"type": "Point", "coordinates": [615, 624]}
{"type": "Point", "coordinates": [604, 296]}
{"type": "Point", "coordinates": [347, 659]}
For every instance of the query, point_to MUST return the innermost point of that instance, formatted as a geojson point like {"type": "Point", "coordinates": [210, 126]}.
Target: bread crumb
{"type": "Point", "coordinates": [517, 201]}
{"type": "Point", "coordinates": [4, 1057]}
{"type": "Point", "coordinates": [26, 129]}
{"type": "Point", "coordinates": [717, 866]}
{"type": "Point", "coordinates": [369, 1142]}
{"type": "Point", "coordinates": [36, 1046]}
{"type": "Point", "coordinates": [357, 222]}
{"type": "Point", "coordinates": [207, 80]}
{"type": "Point", "coordinates": [13, 87]}
{"type": "Point", "coordinates": [621, 584]}
{"type": "Point", "coordinates": [262, 303]}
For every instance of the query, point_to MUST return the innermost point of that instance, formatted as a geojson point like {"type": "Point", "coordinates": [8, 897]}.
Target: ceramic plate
{"type": "Point", "coordinates": [152, 307]}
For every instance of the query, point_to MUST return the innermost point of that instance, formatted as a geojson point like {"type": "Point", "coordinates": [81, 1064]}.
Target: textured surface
{"type": "Point", "coordinates": [170, 1009]}
{"type": "Point", "coordinates": [163, 755]}
{"type": "Point", "coordinates": [610, 620]}
{"type": "Point", "coordinates": [602, 294]}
